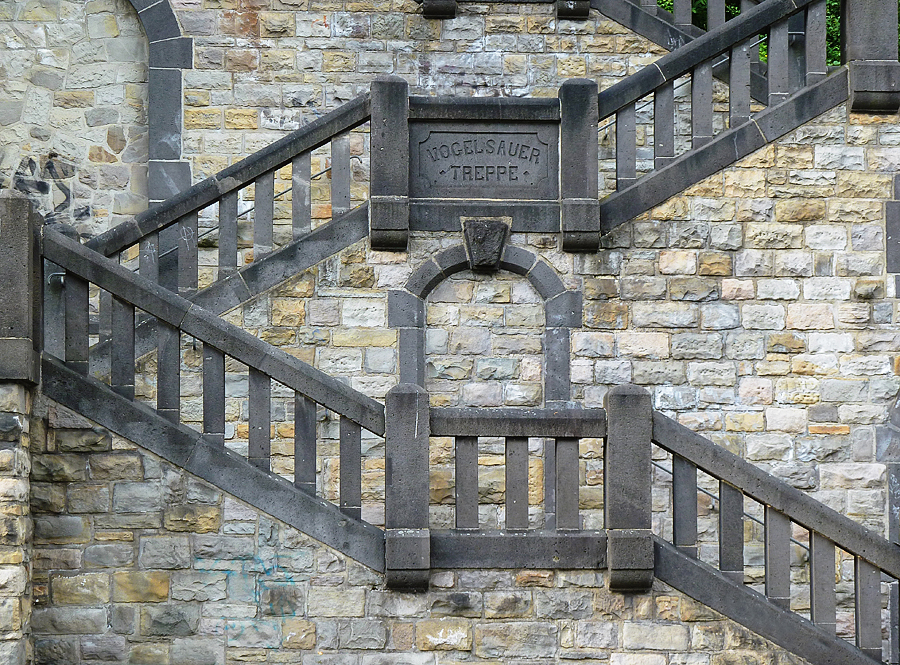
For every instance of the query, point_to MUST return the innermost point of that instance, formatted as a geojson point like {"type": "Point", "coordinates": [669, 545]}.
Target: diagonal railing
{"type": "Point", "coordinates": [169, 234]}
{"type": "Point", "coordinates": [271, 372]}
{"type": "Point", "coordinates": [691, 140]}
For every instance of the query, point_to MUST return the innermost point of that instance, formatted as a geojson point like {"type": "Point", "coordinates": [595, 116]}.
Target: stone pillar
{"type": "Point", "coordinates": [580, 211]}
{"type": "Point", "coordinates": [869, 47]}
{"type": "Point", "coordinates": [389, 164]}
{"type": "Point", "coordinates": [626, 488]}
{"type": "Point", "coordinates": [19, 367]}
{"type": "Point", "coordinates": [406, 488]}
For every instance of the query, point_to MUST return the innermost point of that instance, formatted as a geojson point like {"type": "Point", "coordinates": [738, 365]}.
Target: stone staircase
{"type": "Point", "coordinates": [151, 310]}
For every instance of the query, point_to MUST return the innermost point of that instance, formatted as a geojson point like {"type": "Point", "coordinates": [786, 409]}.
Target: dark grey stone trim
{"type": "Point", "coordinates": [564, 310]}
{"type": "Point", "coordinates": [405, 310]}
{"type": "Point", "coordinates": [724, 149]}
{"type": "Point", "coordinates": [311, 136]}
{"type": "Point", "coordinates": [20, 299]}
{"type": "Point", "coordinates": [170, 53]}
{"type": "Point", "coordinates": [771, 491]}
{"type": "Point", "coordinates": [210, 329]}
{"type": "Point", "coordinates": [167, 179]}
{"type": "Point", "coordinates": [389, 164]}
{"type": "Point", "coordinates": [175, 53]}
{"type": "Point", "coordinates": [580, 550]}
{"type": "Point", "coordinates": [515, 259]}
{"type": "Point", "coordinates": [555, 423]}
{"type": "Point", "coordinates": [490, 109]}
{"type": "Point", "coordinates": [683, 60]}
{"type": "Point", "coordinates": [443, 214]}
{"type": "Point", "coordinates": [184, 447]}
{"type": "Point", "coordinates": [260, 276]}
{"type": "Point", "coordinates": [751, 609]}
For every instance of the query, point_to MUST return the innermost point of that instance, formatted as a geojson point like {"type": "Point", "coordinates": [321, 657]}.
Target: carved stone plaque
{"type": "Point", "coordinates": [480, 160]}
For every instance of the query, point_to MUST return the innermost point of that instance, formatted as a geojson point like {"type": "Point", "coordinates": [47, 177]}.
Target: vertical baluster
{"type": "Point", "coordinates": [516, 482]}
{"type": "Point", "coordinates": [664, 124]}
{"type": "Point", "coordinates": [747, 5]}
{"type": "Point", "coordinates": [54, 301]}
{"type": "Point", "coordinates": [351, 468]}
{"type": "Point", "coordinates": [264, 214]}
{"type": "Point", "coordinates": [701, 104]}
{"type": "Point", "coordinates": [187, 254]}
{"type": "Point", "coordinates": [100, 363]}
{"type": "Point", "coordinates": [148, 265]}
{"type": "Point", "coordinates": [304, 444]}
{"type": "Point", "coordinates": [301, 203]}
{"type": "Point", "coordinates": [684, 500]}
{"type": "Point", "coordinates": [626, 163]}
{"type": "Point", "coordinates": [77, 322]}
{"type": "Point", "coordinates": [797, 51]}
{"type": "Point", "coordinates": [715, 14]}
{"type": "Point", "coordinates": [567, 516]}
{"type": "Point", "coordinates": [214, 394]}
{"type": "Point", "coordinates": [731, 532]}
{"type": "Point", "coordinates": [868, 608]}
{"type": "Point", "coordinates": [821, 583]}
{"type": "Point", "coordinates": [778, 70]}
{"type": "Point", "coordinates": [683, 18]}
{"type": "Point", "coordinates": [816, 68]}
{"type": "Point", "coordinates": [228, 211]}
{"type": "Point", "coordinates": [168, 257]}
{"type": "Point", "coordinates": [778, 558]}
{"type": "Point", "coordinates": [893, 485]}
{"type": "Point", "coordinates": [466, 482]}
{"type": "Point", "coordinates": [551, 479]}
{"type": "Point", "coordinates": [260, 406]}
{"type": "Point", "coordinates": [739, 85]}
{"type": "Point", "coordinates": [168, 372]}
{"type": "Point", "coordinates": [340, 174]}
{"type": "Point", "coordinates": [121, 371]}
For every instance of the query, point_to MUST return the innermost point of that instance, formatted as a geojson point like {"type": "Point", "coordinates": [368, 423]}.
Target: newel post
{"type": "Point", "coordinates": [869, 47]}
{"type": "Point", "coordinates": [20, 339]}
{"type": "Point", "coordinates": [627, 507]}
{"type": "Point", "coordinates": [389, 164]}
{"type": "Point", "coordinates": [406, 488]}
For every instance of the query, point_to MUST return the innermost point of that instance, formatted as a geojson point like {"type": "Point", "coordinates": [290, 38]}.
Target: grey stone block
{"type": "Point", "coordinates": [172, 53]}
{"type": "Point", "coordinates": [564, 310]}
{"type": "Point", "coordinates": [164, 115]}
{"type": "Point", "coordinates": [630, 559]}
{"type": "Point", "coordinates": [405, 310]}
{"type": "Point", "coordinates": [167, 179]}
{"type": "Point", "coordinates": [159, 22]}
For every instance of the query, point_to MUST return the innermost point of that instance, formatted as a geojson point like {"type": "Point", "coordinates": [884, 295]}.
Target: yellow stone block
{"type": "Point", "coordinates": [196, 518]}
{"type": "Point", "coordinates": [337, 61]}
{"type": "Point", "coordinates": [745, 422]}
{"type": "Point", "coordinates": [447, 634]}
{"type": "Point", "coordinates": [241, 119]}
{"type": "Point", "coordinates": [288, 312]}
{"type": "Point", "coordinates": [203, 118]}
{"type": "Point", "coordinates": [88, 589]}
{"type": "Point", "coordinates": [298, 634]}
{"type": "Point", "coordinates": [140, 587]}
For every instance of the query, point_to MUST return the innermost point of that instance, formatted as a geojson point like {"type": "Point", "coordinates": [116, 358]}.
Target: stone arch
{"type": "Point", "coordinates": [562, 312]}
{"type": "Point", "coordinates": [169, 54]}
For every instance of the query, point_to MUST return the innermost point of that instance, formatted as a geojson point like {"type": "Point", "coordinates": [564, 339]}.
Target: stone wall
{"type": "Point", "coordinates": [15, 537]}
{"type": "Point", "coordinates": [137, 562]}
{"type": "Point", "coordinates": [73, 115]}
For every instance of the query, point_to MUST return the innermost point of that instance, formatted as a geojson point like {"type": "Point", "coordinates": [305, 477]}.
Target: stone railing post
{"type": "Point", "coordinates": [406, 486]}
{"type": "Point", "coordinates": [627, 507]}
{"type": "Point", "coordinates": [869, 47]}
{"type": "Point", "coordinates": [389, 164]}
{"type": "Point", "coordinates": [580, 213]}
{"type": "Point", "coordinates": [19, 371]}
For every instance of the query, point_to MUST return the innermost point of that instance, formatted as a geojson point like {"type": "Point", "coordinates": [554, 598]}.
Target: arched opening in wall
{"type": "Point", "coordinates": [484, 348]}
{"type": "Point", "coordinates": [73, 133]}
